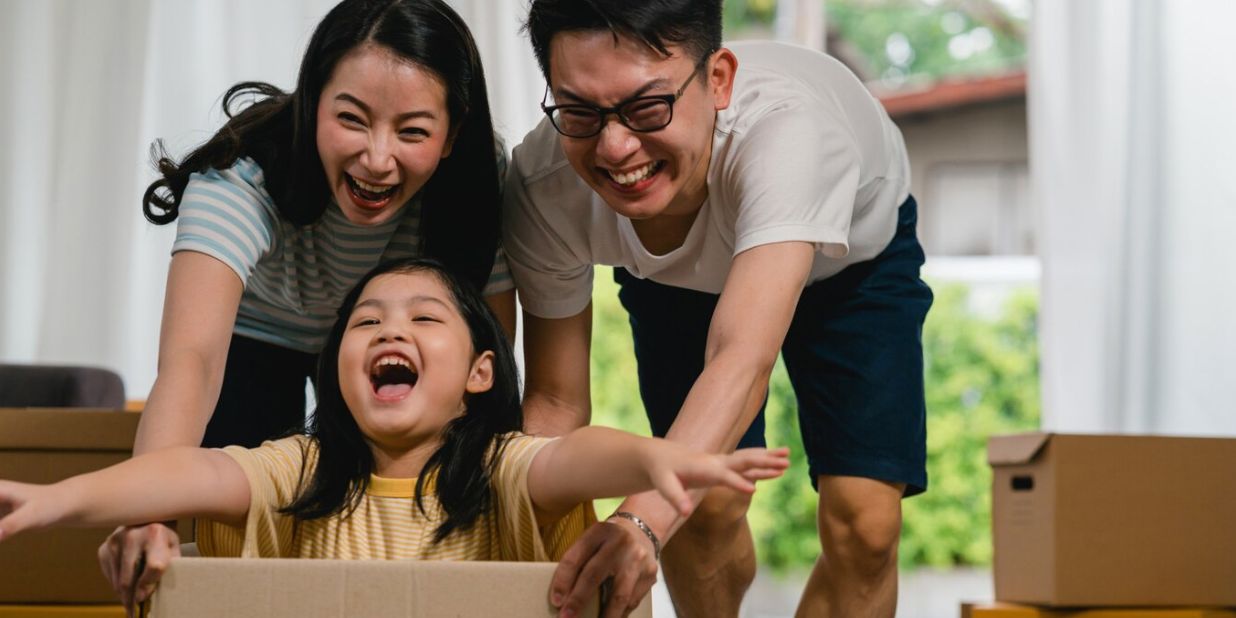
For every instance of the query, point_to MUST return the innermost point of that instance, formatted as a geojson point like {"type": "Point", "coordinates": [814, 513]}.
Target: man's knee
{"type": "Point", "coordinates": [719, 513]}
{"type": "Point", "coordinates": [861, 535]}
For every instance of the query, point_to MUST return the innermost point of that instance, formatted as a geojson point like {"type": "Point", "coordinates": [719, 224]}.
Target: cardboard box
{"type": "Point", "coordinates": [1090, 520]}
{"type": "Point", "coordinates": [45, 445]}
{"type": "Point", "coordinates": [283, 588]}
{"type": "Point", "coordinates": [1004, 610]}
{"type": "Point", "coordinates": [61, 611]}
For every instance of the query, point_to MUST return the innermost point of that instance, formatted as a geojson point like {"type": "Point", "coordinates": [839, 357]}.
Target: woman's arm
{"type": "Point", "coordinates": [199, 311]}
{"type": "Point", "coordinates": [166, 484]}
{"type": "Point", "coordinates": [598, 462]}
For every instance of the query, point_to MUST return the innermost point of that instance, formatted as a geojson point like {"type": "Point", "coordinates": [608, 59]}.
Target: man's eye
{"type": "Point", "coordinates": [578, 114]}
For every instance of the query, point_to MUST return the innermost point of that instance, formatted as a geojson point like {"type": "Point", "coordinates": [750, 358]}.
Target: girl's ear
{"type": "Point", "coordinates": [481, 378]}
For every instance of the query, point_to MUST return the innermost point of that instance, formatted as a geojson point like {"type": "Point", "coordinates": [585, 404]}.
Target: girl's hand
{"type": "Point", "coordinates": [673, 469]}
{"type": "Point", "coordinates": [27, 507]}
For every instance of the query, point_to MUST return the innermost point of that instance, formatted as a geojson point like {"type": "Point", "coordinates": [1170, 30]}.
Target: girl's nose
{"type": "Point", "coordinates": [616, 143]}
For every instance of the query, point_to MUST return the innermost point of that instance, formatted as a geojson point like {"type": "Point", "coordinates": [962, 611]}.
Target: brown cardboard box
{"type": "Point", "coordinates": [1090, 520]}
{"type": "Point", "coordinates": [45, 445]}
{"type": "Point", "coordinates": [61, 611]}
{"type": "Point", "coordinates": [281, 588]}
{"type": "Point", "coordinates": [1003, 610]}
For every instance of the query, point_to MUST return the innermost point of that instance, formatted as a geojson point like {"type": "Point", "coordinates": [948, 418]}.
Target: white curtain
{"type": "Point", "coordinates": [85, 87]}
{"type": "Point", "coordinates": [1134, 175]}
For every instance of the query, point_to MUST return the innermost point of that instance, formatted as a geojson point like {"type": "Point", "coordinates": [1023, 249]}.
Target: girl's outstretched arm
{"type": "Point", "coordinates": [159, 486]}
{"type": "Point", "coordinates": [598, 462]}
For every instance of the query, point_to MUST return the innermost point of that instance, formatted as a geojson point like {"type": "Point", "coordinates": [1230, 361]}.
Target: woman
{"type": "Point", "coordinates": [385, 149]}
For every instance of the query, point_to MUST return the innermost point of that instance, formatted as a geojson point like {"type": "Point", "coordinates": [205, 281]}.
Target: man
{"type": "Point", "coordinates": [752, 200]}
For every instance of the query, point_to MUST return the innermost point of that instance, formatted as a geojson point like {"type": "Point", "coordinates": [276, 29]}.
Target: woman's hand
{"type": "Point", "coordinates": [673, 469]}
{"type": "Point", "coordinates": [134, 558]}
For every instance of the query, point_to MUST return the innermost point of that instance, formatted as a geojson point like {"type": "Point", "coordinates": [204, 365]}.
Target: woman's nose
{"type": "Point", "coordinates": [379, 156]}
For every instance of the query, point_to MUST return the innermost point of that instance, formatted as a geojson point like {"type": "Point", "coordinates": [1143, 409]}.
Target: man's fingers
{"type": "Point", "coordinates": [602, 563]}
{"type": "Point", "coordinates": [568, 567]}
{"type": "Point", "coordinates": [621, 593]}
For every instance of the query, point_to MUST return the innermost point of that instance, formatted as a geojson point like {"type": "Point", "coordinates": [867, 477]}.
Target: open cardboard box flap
{"type": "Point", "coordinates": [1015, 449]}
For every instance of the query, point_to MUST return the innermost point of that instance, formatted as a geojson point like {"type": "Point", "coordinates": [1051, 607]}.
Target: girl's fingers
{"type": "Point", "coordinates": [671, 489]}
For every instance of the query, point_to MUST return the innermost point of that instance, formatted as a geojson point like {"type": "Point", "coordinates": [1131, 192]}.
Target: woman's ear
{"type": "Point", "coordinates": [481, 378]}
{"type": "Point", "coordinates": [450, 138]}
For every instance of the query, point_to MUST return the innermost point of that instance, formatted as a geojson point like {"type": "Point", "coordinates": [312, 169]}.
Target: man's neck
{"type": "Point", "coordinates": [665, 232]}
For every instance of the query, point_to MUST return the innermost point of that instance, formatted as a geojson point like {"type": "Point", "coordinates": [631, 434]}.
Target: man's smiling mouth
{"type": "Point", "coordinates": [628, 180]}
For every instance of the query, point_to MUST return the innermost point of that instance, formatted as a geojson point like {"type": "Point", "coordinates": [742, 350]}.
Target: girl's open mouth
{"type": "Point", "coordinates": [392, 377]}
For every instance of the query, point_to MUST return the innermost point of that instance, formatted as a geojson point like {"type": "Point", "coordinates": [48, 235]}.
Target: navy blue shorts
{"type": "Point", "coordinates": [853, 352]}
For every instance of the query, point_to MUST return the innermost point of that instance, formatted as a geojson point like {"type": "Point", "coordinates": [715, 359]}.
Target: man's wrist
{"type": "Point", "coordinates": [643, 527]}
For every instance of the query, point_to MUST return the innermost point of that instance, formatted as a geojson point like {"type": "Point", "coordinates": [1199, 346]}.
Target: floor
{"type": "Point", "coordinates": [923, 594]}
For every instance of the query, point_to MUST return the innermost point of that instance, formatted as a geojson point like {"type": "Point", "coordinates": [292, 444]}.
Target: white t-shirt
{"type": "Point", "coordinates": [803, 153]}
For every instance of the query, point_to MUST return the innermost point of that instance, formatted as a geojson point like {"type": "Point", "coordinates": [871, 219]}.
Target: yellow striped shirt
{"type": "Point", "coordinates": [387, 525]}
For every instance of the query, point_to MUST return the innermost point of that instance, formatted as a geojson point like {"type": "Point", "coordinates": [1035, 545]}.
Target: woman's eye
{"type": "Point", "coordinates": [414, 132]}
{"type": "Point", "coordinates": [349, 117]}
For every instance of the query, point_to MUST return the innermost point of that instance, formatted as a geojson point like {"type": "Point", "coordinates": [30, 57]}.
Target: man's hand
{"type": "Point", "coordinates": [134, 558]}
{"type": "Point", "coordinates": [614, 548]}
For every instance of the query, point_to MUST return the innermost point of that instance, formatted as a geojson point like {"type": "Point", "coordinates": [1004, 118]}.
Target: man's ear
{"type": "Point", "coordinates": [481, 377]}
{"type": "Point", "coordinates": [721, 70]}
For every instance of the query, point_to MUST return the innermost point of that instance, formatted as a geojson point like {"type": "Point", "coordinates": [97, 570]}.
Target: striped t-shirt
{"type": "Point", "coordinates": [295, 277]}
{"type": "Point", "coordinates": [387, 525]}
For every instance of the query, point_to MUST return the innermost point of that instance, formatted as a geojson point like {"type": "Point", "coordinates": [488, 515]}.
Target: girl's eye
{"type": "Point", "coordinates": [365, 322]}
{"type": "Point", "coordinates": [425, 318]}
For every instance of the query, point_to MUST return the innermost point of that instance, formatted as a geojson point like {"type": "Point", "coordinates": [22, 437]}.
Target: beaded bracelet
{"type": "Point", "coordinates": [639, 523]}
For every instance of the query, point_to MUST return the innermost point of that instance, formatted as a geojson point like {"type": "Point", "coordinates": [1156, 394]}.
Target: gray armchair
{"type": "Point", "coordinates": [23, 386]}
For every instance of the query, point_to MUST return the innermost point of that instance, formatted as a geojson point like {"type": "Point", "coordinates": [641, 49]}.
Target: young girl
{"type": "Point", "coordinates": [414, 451]}
{"type": "Point", "coordinates": [384, 149]}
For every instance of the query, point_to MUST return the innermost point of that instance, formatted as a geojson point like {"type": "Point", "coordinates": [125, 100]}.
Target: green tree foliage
{"type": "Point", "coordinates": [981, 377]}
{"type": "Point", "coordinates": [905, 40]}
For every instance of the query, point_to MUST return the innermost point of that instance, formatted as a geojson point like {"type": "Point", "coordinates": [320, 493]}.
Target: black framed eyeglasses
{"type": "Point", "coordinates": [643, 114]}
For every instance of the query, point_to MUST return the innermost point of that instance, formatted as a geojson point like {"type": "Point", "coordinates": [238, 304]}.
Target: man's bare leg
{"type": "Point", "coordinates": [710, 562]}
{"type": "Point", "coordinates": [856, 575]}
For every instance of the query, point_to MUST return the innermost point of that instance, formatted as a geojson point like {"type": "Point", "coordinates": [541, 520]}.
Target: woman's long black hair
{"type": "Point", "coordinates": [462, 468]}
{"type": "Point", "coordinates": [460, 203]}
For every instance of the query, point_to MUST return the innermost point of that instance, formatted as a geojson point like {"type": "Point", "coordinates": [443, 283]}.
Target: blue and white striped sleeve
{"type": "Point", "coordinates": [228, 215]}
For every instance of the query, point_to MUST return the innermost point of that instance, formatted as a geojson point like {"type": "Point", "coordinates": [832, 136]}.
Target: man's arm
{"type": "Point", "coordinates": [748, 327]}
{"type": "Point", "coordinates": [557, 395]}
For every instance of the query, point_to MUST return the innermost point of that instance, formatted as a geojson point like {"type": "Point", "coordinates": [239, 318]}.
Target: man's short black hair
{"type": "Point", "coordinates": [693, 24]}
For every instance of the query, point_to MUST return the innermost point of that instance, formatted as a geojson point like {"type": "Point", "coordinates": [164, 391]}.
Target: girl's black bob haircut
{"type": "Point", "coordinates": [463, 467]}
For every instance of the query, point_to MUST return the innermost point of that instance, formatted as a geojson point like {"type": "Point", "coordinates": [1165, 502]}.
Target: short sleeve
{"type": "Point", "coordinates": [521, 537]}
{"type": "Point", "coordinates": [795, 177]}
{"type": "Point", "coordinates": [553, 277]}
{"type": "Point", "coordinates": [274, 472]}
{"type": "Point", "coordinates": [228, 215]}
